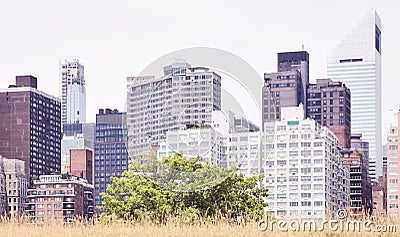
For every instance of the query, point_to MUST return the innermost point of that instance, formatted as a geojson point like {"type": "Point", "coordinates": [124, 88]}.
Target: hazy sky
{"type": "Point", "coordinates": [116, 39]}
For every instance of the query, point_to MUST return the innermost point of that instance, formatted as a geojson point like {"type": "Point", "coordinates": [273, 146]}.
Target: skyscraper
{"type": "Point", "coordinates": [356, 61]}
{"type": "Point", "coordinates": [287, 87]}
{"type": "Point", "coordinates": [110, 157]}
{"type": "Point", "coordinates": [30, 127]}
{"type": "Point", "coordinates": [73, 93]}
{"type": "Point", "coordinates": [184, 95]}
{"type": "Point", "coordinates": [296, 61]}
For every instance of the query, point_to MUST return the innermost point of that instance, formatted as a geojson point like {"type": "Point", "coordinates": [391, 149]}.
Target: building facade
{"type": "Point", "coordinates": [3, 191]}
{"type": "Point", "coordinates": [328, 103]}
{"type": "Point", "coordinates": [282, 89]}
{"type": "Point", "coordinates": [379, 197]}
{"type": "Point", "coordinates": [195, 141]}
{"type": "Point", "coordinates": [184, 95]}
{"type": "Point", "coordinates": [360, 189]}
{"type": "Point", "coordinates": [302, 170]}
{"type": "Point", "coordinates": [16, 186]}
{"type": "Point", "coordinates": [30, 127]}
{"type": "Point", "coordinates": [81, 164]}
{"type": "Point", "coordinates": [356, 61]}
{"type": "Point", "coordinates": [72, 92]}
{"type": "Point", "coordinates": [393, 170]}
{"type": "Point", "coordinates": [110, 153]}
{"type": "Point", "coordinates": [296, 61]}
{"type": "Point", "coordinates": [57, 198]}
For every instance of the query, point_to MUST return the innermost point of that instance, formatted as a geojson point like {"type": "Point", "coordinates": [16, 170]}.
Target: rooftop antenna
{"type": "Point", "coordinates": [302, 47]}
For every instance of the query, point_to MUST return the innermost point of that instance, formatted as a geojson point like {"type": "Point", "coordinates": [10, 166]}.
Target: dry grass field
{"type": "Point", "coordinates": [101, 230]}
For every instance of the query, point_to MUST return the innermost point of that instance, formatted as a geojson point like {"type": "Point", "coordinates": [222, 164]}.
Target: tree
{"type": "Point", "coordinates": [179, 187]}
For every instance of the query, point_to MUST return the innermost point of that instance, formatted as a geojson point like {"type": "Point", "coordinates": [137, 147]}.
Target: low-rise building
{"type": "Point", "coordinates": [59, 198]}
{"type": "Point", "coordinates": [16, 186]}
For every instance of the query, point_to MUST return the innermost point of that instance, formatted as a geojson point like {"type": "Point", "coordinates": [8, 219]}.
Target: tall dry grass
{"type": "Point", "coordinates": [78, 229]}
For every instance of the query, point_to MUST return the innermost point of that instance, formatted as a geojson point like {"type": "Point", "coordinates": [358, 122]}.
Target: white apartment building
{"type": "Point", "coordinates": [72, 92]}
{"type": "Point", "coordinates": [195, 141]}
{"type": "Point", "coordinates": [356, 61]}
{"type": "Point", "coordinates": [184, 95]}
{"type": "Point", "coordinates": [302, 168]}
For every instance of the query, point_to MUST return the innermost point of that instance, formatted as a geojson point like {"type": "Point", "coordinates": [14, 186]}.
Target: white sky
{"type": "Point", "coordinates": [116, 39]}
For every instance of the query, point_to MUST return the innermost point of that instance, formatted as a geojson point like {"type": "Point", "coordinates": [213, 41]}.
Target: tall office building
{"type": "Point", "coordinates": [356, 61]}
{"type": "Point", "coordinates": [30, 127]}
{"type": "Point", "coordinates": [73, 92]}
{"type": "Point", "coordinates": [296, 61]}
{"type": "Point", "coordinates": [328, 103]}
{"type": "Point", "coordinates": [287, 87]}
{"type": "Point", "coordinates": [110, 156]}
{"type": "Point", "coordinates": [184, 95]}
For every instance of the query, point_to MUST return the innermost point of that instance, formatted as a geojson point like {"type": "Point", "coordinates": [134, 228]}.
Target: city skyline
{"type": "Point", "coordinates": [118, 47]}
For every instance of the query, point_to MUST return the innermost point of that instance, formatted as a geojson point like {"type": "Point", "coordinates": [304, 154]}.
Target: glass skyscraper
{"type": "Point", "coordinates": [356, 61]}
{"type": "Point", "coordinates": [73, 93]}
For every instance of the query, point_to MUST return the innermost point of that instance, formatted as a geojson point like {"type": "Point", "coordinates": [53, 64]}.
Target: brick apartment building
{"type": "Point", "coordinates": [59, 198]}
{"type": "Point", "coordinates": [30, 127]}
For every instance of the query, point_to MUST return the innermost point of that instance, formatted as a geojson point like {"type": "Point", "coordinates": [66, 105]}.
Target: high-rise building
{"type": "Point", "coordinates": [73, 92]}
{"type": "Point", "coordinates": [328, 103]}
{"type": "Point", "coordinates": [16, 186]}
{"type": "Point", "coordinates": [356, 61]}
{"type": "Point", "coordinates": [296, 61]}
{"type": "Point", "coordinates": [393, 170]}
{"type": "Point", "coordinates": [184, 95]}
{"type": "Point", "coordinates": [30, 127]}
{"type": "Point", "coordinates": [58, 198]}
{"type": "Point", "coordinates": [110, 156]}
{"type": "Point", "coordinates": [302, 170]}
{"type": "Point", "coordinates": [282, 89]}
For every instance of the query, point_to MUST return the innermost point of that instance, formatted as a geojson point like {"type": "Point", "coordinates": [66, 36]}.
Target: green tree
{"type": "Point", "coordinates": [179, 187]}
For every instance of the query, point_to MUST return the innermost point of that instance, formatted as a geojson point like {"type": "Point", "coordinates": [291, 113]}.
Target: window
{"type": "Point", "coordinates": [293, 204]}
{"type": "Point", "coordinates": [305, 195]}
{"type": "Point", "coordinates": [318, 169]}
{"type": "Point", "coordinates": [306, 204]}
{"type": "Point", "coordinates": [293, 195]}
{"type": "Point", "coordinates": [318, 203]}
{"type": "Point", "coordinates": [306, 187]}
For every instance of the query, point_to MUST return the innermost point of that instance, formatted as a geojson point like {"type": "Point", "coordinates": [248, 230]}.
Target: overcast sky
{"type": "Point", "coordinates": [116, 39]}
